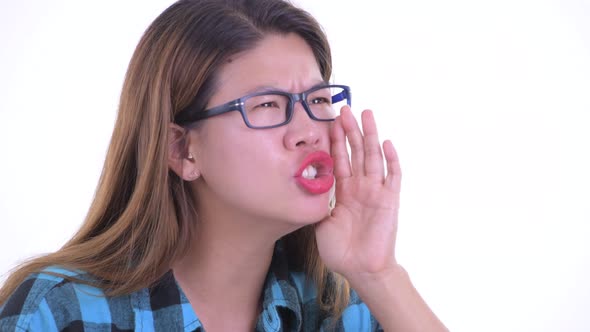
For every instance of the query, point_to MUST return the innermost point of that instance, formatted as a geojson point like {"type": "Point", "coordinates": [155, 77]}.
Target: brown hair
{"type": "Point", "coordinates": [140, 219]}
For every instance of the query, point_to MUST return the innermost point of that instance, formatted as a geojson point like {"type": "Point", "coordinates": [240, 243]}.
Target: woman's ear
{"type": "Point", "coordinates": [180, 159]}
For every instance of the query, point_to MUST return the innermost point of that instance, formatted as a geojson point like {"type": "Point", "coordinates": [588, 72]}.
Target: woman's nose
{"type": "Point", "coordinates": [303, 131]}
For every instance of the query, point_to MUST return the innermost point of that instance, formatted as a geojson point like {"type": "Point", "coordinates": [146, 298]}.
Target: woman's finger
{"type": "Point", "coordinates": [338, 150]}
{"type": "Point", "coordinates": [394, 173]}
{"type": "Point", "coordinates": [372, 147]}
{"type": "Point", "coordinates": [355, 140]}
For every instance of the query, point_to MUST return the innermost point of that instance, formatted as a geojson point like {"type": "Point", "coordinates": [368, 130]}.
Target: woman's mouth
{"type": "Point", "coordinates": [309, 172]}
{"type": "Point", "coordinates": [315, 173]}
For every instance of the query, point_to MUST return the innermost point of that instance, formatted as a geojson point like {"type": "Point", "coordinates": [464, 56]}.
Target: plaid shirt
{"type": "Point", "coordinates": [47, 303]}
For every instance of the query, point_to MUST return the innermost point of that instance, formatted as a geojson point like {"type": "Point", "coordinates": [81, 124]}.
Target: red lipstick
{"type": "Point", "coordinates": [315, 173]}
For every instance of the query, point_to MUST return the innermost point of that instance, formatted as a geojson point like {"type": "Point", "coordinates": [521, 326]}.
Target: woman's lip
{"type": "Point", "coordinates": [319, 185]}
{"type": "Point", "coordinates": [324, 179]}
{"type": "Point", "coordinates": [320, 159]}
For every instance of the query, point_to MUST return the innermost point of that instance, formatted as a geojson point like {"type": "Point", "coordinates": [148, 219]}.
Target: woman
{"type": "Point", "coordinates": [215, 208]}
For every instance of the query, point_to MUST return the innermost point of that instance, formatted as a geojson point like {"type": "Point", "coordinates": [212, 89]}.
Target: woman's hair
{"type": "Point", "coordinates": [142, 217]}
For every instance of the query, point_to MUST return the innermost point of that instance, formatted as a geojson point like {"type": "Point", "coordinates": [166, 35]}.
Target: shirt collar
{"type": "Point", "coordinates": [281, 303]}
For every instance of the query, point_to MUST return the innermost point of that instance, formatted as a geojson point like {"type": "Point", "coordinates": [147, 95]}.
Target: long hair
{"type": "Point", "coordinates": [142, 217]}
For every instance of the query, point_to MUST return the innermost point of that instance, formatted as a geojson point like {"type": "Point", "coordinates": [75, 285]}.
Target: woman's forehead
{"type": "Point", "coordinates": [284, 62]}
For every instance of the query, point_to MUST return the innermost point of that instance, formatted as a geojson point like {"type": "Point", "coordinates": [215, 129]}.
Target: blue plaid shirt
{"type": "Point", "coordinates": [47, 303]}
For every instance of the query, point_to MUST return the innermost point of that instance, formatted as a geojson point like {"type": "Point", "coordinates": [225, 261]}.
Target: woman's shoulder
{"type": "Point", "coordinates": [52, 300]}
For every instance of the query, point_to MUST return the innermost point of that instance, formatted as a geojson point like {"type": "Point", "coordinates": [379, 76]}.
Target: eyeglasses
{"type": "Point", "coordinates": [270, 109]}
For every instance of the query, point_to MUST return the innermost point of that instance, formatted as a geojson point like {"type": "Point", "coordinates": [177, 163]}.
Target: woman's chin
{"type": "Point", "coordinates": [311, 213]}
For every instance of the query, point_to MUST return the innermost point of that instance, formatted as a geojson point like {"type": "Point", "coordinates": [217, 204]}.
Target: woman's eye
{"type": "Point", "coordinates": [320, 100]}
{"type": "Point", "coordinates": [268, 104]}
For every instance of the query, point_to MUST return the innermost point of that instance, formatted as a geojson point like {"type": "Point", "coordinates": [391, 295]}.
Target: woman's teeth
{"type": "Point", "coordinates": [309, 172]}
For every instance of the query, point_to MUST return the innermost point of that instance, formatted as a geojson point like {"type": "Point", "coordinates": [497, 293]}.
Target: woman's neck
{"type": "Point", "coordinates": [224, 271]}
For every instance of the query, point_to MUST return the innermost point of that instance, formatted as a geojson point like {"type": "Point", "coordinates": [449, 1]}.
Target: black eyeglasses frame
{"type": "Point", "coordinates": [190, 115]}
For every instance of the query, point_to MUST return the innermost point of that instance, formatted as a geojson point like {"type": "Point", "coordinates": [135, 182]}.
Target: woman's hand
{"type": "Point", "coordinates": [358, 238]}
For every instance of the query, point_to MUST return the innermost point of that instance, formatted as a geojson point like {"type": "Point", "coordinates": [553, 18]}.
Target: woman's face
{"type": "Point", "coordinates": [256, 172]}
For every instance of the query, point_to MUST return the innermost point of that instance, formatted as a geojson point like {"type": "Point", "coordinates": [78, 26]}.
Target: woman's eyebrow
{"type": "Point", "coordinates": [263, 88]}
{"type": "Point", "coordinates": [270, 88]}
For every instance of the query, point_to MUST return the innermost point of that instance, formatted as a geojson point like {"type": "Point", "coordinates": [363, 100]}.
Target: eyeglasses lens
{"type": "Point", "coordinates": [272, 109]}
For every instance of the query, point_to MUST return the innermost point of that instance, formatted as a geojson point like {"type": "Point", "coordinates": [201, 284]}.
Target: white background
{"type": "Point", "coordinates": [488, 104]}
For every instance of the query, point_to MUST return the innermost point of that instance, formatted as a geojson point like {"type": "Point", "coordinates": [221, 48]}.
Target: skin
{"type": "Point", "coordinates": [248, 199]}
